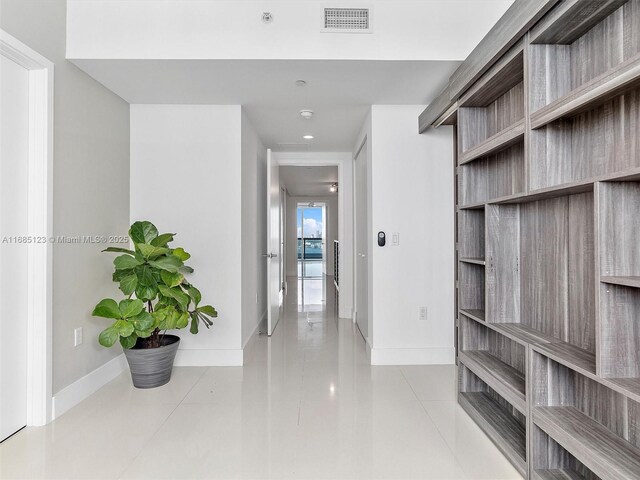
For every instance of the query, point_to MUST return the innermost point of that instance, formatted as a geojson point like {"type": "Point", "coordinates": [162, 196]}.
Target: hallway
{"type": "Point", "coordinates": [306, 405]}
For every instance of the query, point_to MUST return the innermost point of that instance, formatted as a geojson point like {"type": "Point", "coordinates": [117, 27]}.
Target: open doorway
{"type": "Point", "coordinates": [311, 231]}
{"type": "Point", "coordinates": [312, 238]}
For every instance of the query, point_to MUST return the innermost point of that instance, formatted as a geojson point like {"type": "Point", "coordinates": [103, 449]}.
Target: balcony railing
{"type": "Point", "coordinates": [310, 249]}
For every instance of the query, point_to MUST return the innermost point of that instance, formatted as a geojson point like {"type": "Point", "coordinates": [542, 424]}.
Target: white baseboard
{"type": "Point", "coordinates": [413, 356]}
{"type": "Point", "coordinates": [209, 358]}
{"type": "Point", "coordinates": [79, 390]}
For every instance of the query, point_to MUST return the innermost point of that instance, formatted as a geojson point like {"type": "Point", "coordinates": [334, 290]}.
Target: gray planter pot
{"type": "Point", "coordinates": [151, 367]}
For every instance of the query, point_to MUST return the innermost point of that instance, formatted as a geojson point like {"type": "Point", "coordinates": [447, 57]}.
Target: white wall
{"type": "Point", "coordinates": [232, 29]}
{"type": "Point", "coordinates": [331, 202]}
{"type": "Point", "coordinates": [186, 177]}
{"type": "Point", "coordinates": [90, 186]}
{"type": "Point", "coordinates": [254, 230]}
{"type": "Point", "coordinates": [411, 193]}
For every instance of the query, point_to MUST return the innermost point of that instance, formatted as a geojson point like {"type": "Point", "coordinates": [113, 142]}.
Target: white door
{"type": "Point", "coordinates": [273, 256]}
{"type": "Point", "coordinates": [14, 151]}
{"type": "Point", "coordinates": [362, 245]}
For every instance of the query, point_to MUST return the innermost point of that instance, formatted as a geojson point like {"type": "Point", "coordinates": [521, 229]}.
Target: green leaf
{"type": "Point", "coordinates": [181, 254]}
{"type": "Point", "coordinates": [143, 321]}
{"type": "Point", "coordinates": [146, 293]}
{"type": "Point", "coordinates": [204, 319]}
{"type": "Point", "coordinates": [125, 262]}
{"type": "Point", "coordinates": [185, 269]}
{"type": "Point", "coordinates": [119, 250]}
{"type": "Point", "coordinates": [124, 327]}
{"type": "Point", "coordinates": [107, 308]}
{"type": "Point", "coordinates": [208, 310]}
{"type": "Point", "coordinates": [143, 232]}
{"type": "Point", "coordinates": [144, 334]}
{"type": "Point", "coordinates": [162, 240]}
{"type": "Point", "coordinates": [165, 318]}
{"type": "Point", "coordinates": [145, 276]}
{"type": "Point", "coordinates": [149, 251]}
{"type": "Point", "coordinates": [120, 274]}
{"type": "Point", "coordinates": [194, 323]}
{"type": "Point", "coordinates": [129, 342]}
{"type": "Point", "coordinates": [183, 320]}
{"type": "Point", "coordinates": [171, 279]}
{"type": "Point", "coordinates": [195, 295]}
{"type": "Point", "coordinates": [169, 263]}
{"type": "Point", "coordinates": [177, 294]}
{"type": "Point", "coordinates": [108, 337]}
{"type": "Point", "coordinates": [130, 308]}
{"type": "Point", "coordinates": [128, 284]}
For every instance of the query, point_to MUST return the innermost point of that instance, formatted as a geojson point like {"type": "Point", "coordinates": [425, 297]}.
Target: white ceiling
{"type": "Point", "coordinates": [308, 181]}
{"type": "Point", "coordinates": [339, 91]}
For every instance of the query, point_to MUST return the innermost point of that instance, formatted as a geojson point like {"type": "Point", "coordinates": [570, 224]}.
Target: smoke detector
{"type": "Point", "coordinates": [306, 114]}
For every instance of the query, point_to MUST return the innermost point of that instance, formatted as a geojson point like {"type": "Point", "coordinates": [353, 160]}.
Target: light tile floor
{"type": "Point", "coordinates": [306, 406]}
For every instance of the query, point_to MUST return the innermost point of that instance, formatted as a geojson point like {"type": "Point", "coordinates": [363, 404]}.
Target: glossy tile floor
{"type": "Point", "coordinates": [306, 406]}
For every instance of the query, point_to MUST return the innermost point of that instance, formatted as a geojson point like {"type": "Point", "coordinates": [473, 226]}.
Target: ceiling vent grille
{"type": "Point", "coordinates": [347, 20]}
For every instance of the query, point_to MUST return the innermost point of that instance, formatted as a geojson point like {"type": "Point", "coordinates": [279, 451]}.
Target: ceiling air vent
{"type": "Point", "coordinates": [347, 20]}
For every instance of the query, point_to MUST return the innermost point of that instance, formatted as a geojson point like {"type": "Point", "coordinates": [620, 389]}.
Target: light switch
{"type": "Point", "coordinates": [395, 239]}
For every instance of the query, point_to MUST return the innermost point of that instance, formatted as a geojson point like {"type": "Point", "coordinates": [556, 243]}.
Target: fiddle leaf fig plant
{"type": "Point", "coordinates": [158, 295]}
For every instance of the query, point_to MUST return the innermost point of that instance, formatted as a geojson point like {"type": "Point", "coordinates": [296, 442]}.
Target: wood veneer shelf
{"type": "Point", "coordinates": [522, 334]}
{"type": "Point", "coordinates": [570, 356]}
{"type": "Point", "coordinates": [556, 474]}
{"type": "Point", "coordinates": [590, 95]}
{"type": "Point", "coordinates": [500, 141]}
{"type": "Point", "coordinates": [505, 431]}
{"type": "Point", "coordinates": [622, 280]}
{"type": "Point", "coordinates": [503, 378]}
{"type": "Point", "coordinates": [472, 206]}
{"type": "Point", "coordinates": [474, 260]}
{"type": "Point", "coordinates": [474, 314]}
{"type": "Point", "coordinates": [604, 453]}
{"type": "Point", "coordinates": [569, 188]}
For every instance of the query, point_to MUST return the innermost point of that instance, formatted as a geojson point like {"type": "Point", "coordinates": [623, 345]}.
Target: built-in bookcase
{"type": "Point", "coordinates": [548, 168]}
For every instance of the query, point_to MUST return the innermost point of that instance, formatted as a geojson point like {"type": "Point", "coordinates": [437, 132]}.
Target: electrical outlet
{"type": "Point", "coordinates": [77, 337]}
{"type": "Point", "coordinates": [422, 316]}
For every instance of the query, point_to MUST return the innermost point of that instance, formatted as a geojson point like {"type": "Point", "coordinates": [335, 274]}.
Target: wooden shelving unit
{"type": "Point", "coordinates": [497, 417]}
{"type": "Point", "coordinates": [548, 241]}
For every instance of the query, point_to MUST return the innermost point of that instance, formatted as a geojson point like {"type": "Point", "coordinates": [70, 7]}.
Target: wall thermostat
{"type": "Point", "coordinates": [382, 239]}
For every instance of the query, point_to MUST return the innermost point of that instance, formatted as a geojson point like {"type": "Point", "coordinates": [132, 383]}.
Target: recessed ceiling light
{"type": "Point", "coordinates": [308, 137]}
{"type": "Point", "coordinates": [301, 83]}
{"type": "Point", "coordinates": [306, 114]}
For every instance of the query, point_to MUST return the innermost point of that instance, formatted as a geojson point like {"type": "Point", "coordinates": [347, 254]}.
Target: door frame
{"type": "Point", "coordinates": [40, 227]}
{"type": "Point", "coordinates": [344, 162]}
{"type": "Point", "coordinates": [368, 338]}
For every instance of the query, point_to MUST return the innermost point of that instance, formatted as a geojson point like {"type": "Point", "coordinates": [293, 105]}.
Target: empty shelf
{"type": "Point", "coordinates": [600, 450]}
{"type": "Point", "coordinates": [503, 378]}
{"type": "Point", "coordinates": [477, 315]}
{"type": "Point", "coordinates": [569, 355]}
{"type": "Point", "coordinates": [590, 95]}
{"type": "Point", "coordinates": [502, 427]}
{"type": "Point", "coordinates": [522, 334]}
{"type": "Point", "coordinates": [501, 140]}
{"type": "Point", "coordinates": [624, 281]}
